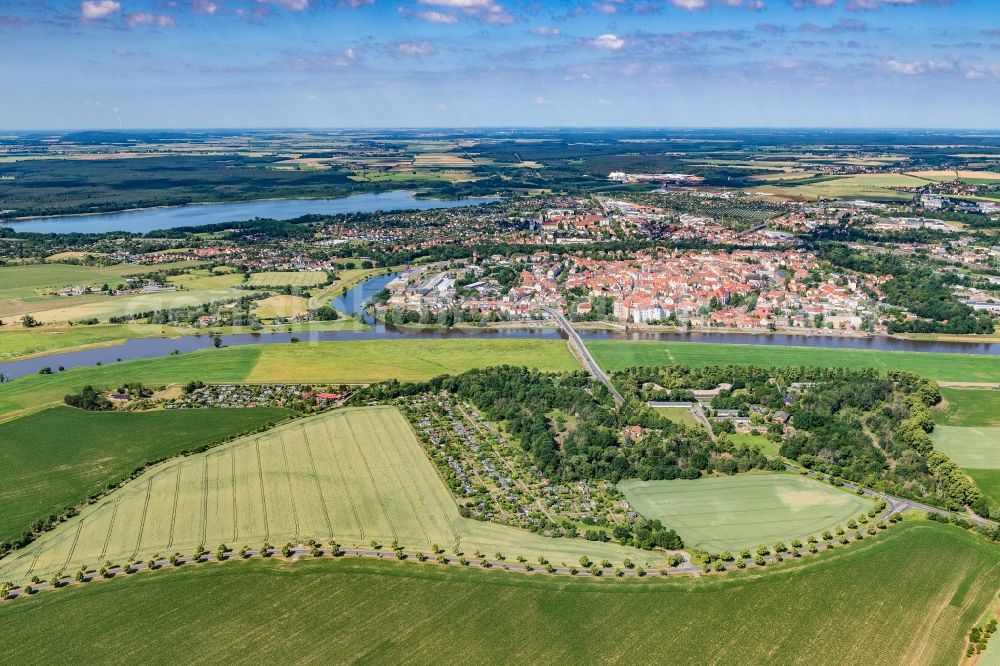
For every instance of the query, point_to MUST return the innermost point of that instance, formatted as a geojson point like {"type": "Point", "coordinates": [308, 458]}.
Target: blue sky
{"type": "Point", "coordinates": [377, 63]}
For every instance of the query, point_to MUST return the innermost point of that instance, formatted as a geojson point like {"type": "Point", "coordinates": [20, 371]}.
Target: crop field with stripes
{"type": "Point", "coordinates": [908, 598]}
{"type": "Point", "coordinates": [289, 279]}
{"type": "Point", "coordinates": [355, 475]}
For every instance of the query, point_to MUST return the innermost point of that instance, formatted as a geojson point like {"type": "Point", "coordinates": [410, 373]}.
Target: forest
{"type": "Point", "coordinates": [857, 425]}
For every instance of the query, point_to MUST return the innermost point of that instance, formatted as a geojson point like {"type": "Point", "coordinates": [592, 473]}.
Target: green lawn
{"type": "Point", "coordinates": [58, 457]}
{"type": "Point", "coordinates": [975, 448]}
{"type": "Point", "coordinates": [732, 512]}
{"type": "Point", "coordinates": [906, 598]}
{"type": "Point", "coordinates": [614, 355]}
{"type": "Point", "coordinates": [968, 407]}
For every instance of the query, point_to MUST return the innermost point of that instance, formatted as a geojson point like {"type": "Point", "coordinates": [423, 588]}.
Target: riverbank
{"type": "Point", "coordinates": [20, 345]}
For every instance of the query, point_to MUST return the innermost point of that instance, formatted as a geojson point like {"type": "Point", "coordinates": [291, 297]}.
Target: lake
{"type": "Point", "coordinates": [151, 219]}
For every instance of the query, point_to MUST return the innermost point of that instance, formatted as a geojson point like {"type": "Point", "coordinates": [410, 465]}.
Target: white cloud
{"type": "Point", "coordinates": [802, 4]}
{"type": "Point", "coordinates": [92, 10]}
{"type": "Point", "coordinates": [204, 6]}
{"type": "Point", "coordinates": [916, 67]}
{"type": "Point", "coordinates": [458, 4]}
{"type": "Point", "coordinates": [136, 19]}
{"type": "Point", "coordinates": [431, 16]}
{"type": "Point", "coordinates": [875, 5]}
{"type": "Point", "coordinates": [979, 72]}
{"type": "Point", "coordinates": [328, 60]}
{"type": "Point", "coordinates": [608, 42]}
{"type": "Point", "coordinates": [608, 6]}
{"type": "Point", "coordinates": [545, 31]}
{"type": "Point", "coordinates": [414, 49]}
{"type": "Point", "coordinates": [542, 101]}
{"type": "Point", "coordinates": [486, 11]}
{"type": "Point", "coordinates": [691, 5]}
{"type": "Point", "coordinates": [290, 5]}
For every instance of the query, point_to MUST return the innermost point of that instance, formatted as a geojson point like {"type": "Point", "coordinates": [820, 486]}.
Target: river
{"type": "Point", "coordinates": [354, 300]}
{"type": "Point", "coordinates": [168, 217]}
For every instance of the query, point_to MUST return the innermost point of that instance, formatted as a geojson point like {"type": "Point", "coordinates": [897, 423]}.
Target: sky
{"type": "Point", "coordinates": [134, 64]}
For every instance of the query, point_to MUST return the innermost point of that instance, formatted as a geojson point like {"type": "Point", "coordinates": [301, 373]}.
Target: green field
{"type": "Point", "coordinates": [968, 407]}
{"type": "Point", "coordinates": [613, 355]}
{"type": "Point", "coordinates": [681, 415]}
{"type": "Point", "coordinates": [406, 360]}
{"type": "Point", "coordinates": [57, 458]}
{"type": "Point", "coordinates": [104, 307]}
{"type": "Point", "coordinates": [907, 598]}
{"type": "Point", "coordinates": [24, 342]}
{"type": "Point", "coordinates": [34, 392]}
{"type": "Point", "coordinates": [206, 279]}
{"type": "Point", "coordinates": [974, 448]}
{"type": "Point", "coordinates": [286, 279]}
{"type": "Point", "coordinates": [356, 475]}
{"type": "Point", "coordinates": [36, 279]}
{"type": "Point", "coordinates": [333, 362]}
{"type": "Point", "coordinates": [19, 342]}
{"type": "Point", "coordinates": [875, 186]}
{"type": "Point", "coordinates": [732, 512]}
{"type": "Point", "coordinates": [766, 446]}
{"type": "Point", "coordinates": [988, 481]}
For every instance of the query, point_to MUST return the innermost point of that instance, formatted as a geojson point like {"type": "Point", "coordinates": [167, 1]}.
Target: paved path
{"type": "Point", "coordinates": [576, 343]}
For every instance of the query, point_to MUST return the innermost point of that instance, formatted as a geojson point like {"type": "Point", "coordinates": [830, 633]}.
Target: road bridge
{"type": "Point", "coordinates": [576, 344]}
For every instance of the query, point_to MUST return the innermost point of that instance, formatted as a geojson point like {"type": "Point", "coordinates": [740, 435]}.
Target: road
{"type": "Point", "coordinates": [576, 344]}
{"type": "Point", "coordinates": [896, 505]}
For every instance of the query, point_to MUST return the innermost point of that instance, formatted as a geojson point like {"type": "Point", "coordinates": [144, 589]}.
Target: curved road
{"type": "Point", "coordinates": [576, 344]}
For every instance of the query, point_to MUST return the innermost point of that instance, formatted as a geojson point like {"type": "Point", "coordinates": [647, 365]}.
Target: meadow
{"type": "Point", "coordinates": [367, 361]}
{"type": "Point", "coordinates": [877, 186]}
{"type": "Point", "coordinates": [681, 415]}
{"type": "Point", "coordinates": [988, 481]}
{"type": "Point", "coordinates": [355, 475]}
{"type": "Point", "coordinates": [36, 279]}
{"type": "Point", "coordinates": [970, 447]}
{"type": "Point", "coordinates": [271, 279]}
{"type": "Point", "coordinates": [56, 458]}
{"type": "Point", "coordinates": [332, 362]}
{"type": "Point", "coordinates": [206, 279]}
{"type": "Point", "coordinates": [25, 342]}
{"type": "Point", "coordinates": [34, 392]}
{"type": "Point", "coordinates": [933, 582]}
{"type": "Point", "coordinates": [613, 356]}
{"type": "Point", "coordinates": [280, 306]}
{"type": "Point", "coordinates": [733, 512]}
{"type": "Point", "coordinates": [766, 446]}
{"type": "Point", "coordinates": [968, 407]}
{"type": "Point", "coordinates": [104, 307]}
